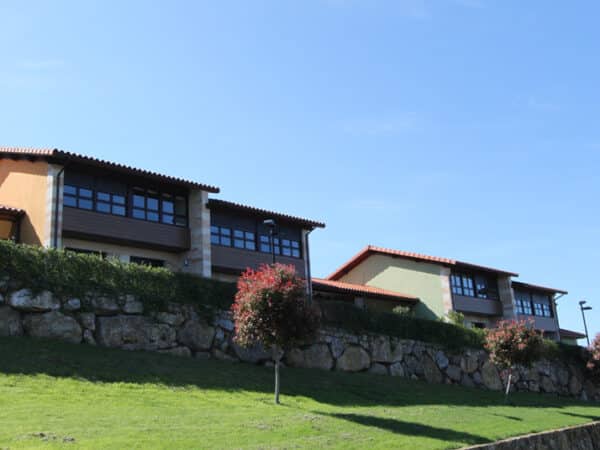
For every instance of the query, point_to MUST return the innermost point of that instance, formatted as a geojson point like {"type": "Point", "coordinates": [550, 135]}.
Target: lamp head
{"type": "Point", "coordinates": [586, 308]}
{"type": "Point", "coordinates": [269, 222]}
{"type": "Point", "coordinates": [582, 302]}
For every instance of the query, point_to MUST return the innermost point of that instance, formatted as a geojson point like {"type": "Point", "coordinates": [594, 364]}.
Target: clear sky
{"type": "Point", "coordinates": [459, 128]}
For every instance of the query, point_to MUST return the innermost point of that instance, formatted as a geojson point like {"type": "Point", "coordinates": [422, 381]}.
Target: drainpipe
{"type": "Point", "coordinates": [56, 206]}
{"type": "Point", "coordinates": [307, 260]}
{"type": "Point", "coordinates": [554, 300]}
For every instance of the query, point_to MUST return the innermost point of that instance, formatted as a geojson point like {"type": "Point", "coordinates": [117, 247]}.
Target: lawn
{"type": "Point", "coordinates": [55, 395]}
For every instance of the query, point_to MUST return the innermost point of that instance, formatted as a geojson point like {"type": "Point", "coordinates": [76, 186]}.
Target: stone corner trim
{"type": "Point", "coordinates": [580, 437]}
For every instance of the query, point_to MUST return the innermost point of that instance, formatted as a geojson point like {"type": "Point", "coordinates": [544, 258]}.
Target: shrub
{"type": "Point", "coordinates": [593, 363]}
{"type": "Point", "coordinates": [270, 308]}
{"type": "Point", "coordinates": [405, 311]}
{"type": "Point", "coordinates": [347, 316]}
{"type": "Point", "coordinates": [512, 343]}
{"type": "Point", "coordinates": [68, 274]}
{"type": "Point", "coordinates": [456, 318]}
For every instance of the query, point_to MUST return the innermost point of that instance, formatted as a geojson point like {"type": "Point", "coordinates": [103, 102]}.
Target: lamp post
{"type": "Point", "coordinates": [583, 310]}
{"type": "Point", "coordinates": [271, 224]}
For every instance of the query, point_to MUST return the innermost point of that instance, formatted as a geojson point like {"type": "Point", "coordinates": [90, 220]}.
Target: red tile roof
{"type": "Point", "coordinates": [519, 284]}
{"type": "Point", "coordinates": [11, 211]}
{"type": "Point", "coordinates": [569, 334]}
{"type": "Point", "coordinates": [222, 204]}
{"type": "Point", "coordinates": [61, 156]}
{"type": "Point", "coordinates": [360, 289]}
{"type": "Point", "coordinates": [371, 250]}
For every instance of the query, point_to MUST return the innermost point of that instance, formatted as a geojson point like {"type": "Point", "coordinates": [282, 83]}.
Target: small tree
{"type": "Point", "coordinates": [512, 343]}
{"type": "Point", "coordinates": [593, 364]}
{"type": "Point", "coordinates": [270, 308]}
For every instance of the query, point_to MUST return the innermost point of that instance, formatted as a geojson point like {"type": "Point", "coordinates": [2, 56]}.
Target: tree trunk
{"type": "Point", "coordinates": [508, 385]}
{"type": "Point", "coordinates": [277, 358]}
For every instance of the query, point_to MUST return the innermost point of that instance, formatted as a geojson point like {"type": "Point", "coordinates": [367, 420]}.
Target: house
{"type": "Point", "coordinates": [484, 295]}
{"type": "Point", "coordinates": [60, 199]}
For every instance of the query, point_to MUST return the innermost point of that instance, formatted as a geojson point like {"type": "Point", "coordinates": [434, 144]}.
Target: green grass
{"type": "Point", "coordinates": [55, 395]}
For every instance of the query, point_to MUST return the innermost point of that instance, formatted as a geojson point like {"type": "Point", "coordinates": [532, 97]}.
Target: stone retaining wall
{"type": "Point", "coordinates": [180, 330]}
{"type": "Point", "coordinates": [581, 437]}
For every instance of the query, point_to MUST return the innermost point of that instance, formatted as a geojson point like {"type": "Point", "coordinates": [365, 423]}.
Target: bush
{"type": "Point", "coordinates": [456, 318]}
{"type": "Point", "coordinates": [593, 363]}
{"type": "Point", "coordinates": [347, 316]}
{"type": "Point", "coordinates": [68, 275]}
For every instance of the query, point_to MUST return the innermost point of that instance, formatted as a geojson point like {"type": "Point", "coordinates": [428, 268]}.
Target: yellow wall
{"type": "Point", "coordinates": [422, 280]}
{"type": "Point", "coordinates": [23, 184]}
{"type": "Point", "coordinates": [173, 261]}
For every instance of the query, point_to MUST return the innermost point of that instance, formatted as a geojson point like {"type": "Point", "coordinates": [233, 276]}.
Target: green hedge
{"type": "Point", "coordinates": [68, 274]}
{"type": "Point", "coordinates": [347, 316]}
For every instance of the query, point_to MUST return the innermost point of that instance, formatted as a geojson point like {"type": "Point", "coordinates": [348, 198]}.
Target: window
{"type": "Point", "coordinates": [285, 247]}
{"type": "Point", "coordinates": [541, 305]}
{"type": "Point", "coordinates": [78, 197]}
{"type": "Point", "coordinates": [146, 261]}
{"type": "Point", "coordinates": [479, 286]}
{"type": "Point", "coordinates": [110, 203]}
{"type": "Point", "coordinates": [220, 235]}
{"type": "Point", "coordinates": [290, 248]}
{"type": "Point", "coordinates": [82, 251]}
{"type": "Point", "coordinates": [523, 301]}
{"type": "Point", "coordinates": [244, 239]}
{"type": "Point", "coordinates": [154, 207]}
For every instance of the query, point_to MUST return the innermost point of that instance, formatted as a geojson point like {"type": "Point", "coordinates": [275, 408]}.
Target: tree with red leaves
{"type": "Point", "coordinates": [593, 363]}
{"type": "Point", "coordinates": [271, 308]}
{"type": "Point", "coordinates": [511, 343]}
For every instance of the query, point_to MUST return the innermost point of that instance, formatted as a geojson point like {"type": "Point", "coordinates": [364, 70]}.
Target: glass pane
{"type": "Point", "coordinates": [139, 213]}
{"type": "Point", "coordinates": [85, 204]}
{"type": "Point", "coordinates": [214, 229]}
{"type": "Point", "coordinates": [152, 203]}
{"type": "Point", "coordinates": [285, 242]}
{"type": "Point", "coordinates": [277, 250]}
{"type": "Point", "coordinates": [103, 196]}
{"type": "Point", "coordinates": [180, 221]}
{"type": "Point", "coordinates": [118, 210]}
{"type": "Point", "coordinates": [225, 231]}
{"type": "Point", "coordinates": [85, 193]}
{"type": "Point", "coordinates": [295, 244]}
{"type": "Point", "coordinates": [265, 248]}
{"type": "Point", "coordinates": [70, 201]}
{"type": "Point", "coordinates": [103, 207]}
{"type": "Point", "coordinates": [286, 251]}
{"type": "Point", "coordinates": [214, 239]}
{"type": "Point", "coordinates": [250, 245]}
{"type": "Point", "coordinates": [168, 218]}
{"type": "Point", "coordinates": [295, 253]}
{"type": "Point", "coordinates": [72, 190]}
{"type": "Point", "coordinates": [238, 243]}
{"type": "Point", "coordinates": [152, 216]}
{"type": "Point", "coordinates": [119, 199]}
{"type": "Point", "coordinates": [264, 238]}
{"type": "Point", "coordinates": [226, 241]}
{"type": "Point", "coordinates": [138, 201]}
{"type": "Point", "coordinates": [168, 207]}
{"type": "Point", "coordinates": [238, 233]}
{"type": "Point", "coordinates": [249, 236]}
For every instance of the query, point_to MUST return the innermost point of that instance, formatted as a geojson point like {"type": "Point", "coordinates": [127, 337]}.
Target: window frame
{"type": "Point", "coordinates": [466, 284]}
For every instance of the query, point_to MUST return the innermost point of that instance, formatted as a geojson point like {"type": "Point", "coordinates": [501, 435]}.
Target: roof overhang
{"type": "Point", "coordinates": [519, 284]}
{"type": "Point", "coordinates": [56, 156]}
{"type": "Point", "coordinates": [222, 205]}
{"type": "Point", "coordinates": [569, 334]}
{"type": "Point", "coordinates": [339, 287]}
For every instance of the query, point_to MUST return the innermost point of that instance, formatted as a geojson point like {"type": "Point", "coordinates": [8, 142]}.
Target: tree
{"type": "Point", "coordinates": [512, 343]}
{"type": "Point", "coordinates": [270, 308]}
{"type": "Point", "coordinates": [593, 363]}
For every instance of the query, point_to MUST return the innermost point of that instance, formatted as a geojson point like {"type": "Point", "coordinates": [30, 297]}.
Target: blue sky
{"type": "Point", "coordinates": [459, 128]}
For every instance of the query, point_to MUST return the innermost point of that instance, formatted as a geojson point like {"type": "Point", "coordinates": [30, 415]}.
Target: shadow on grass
{"type": "Point", "coordinates": [31, 356]}
{"type": "Point", "coordinates": [410, 428]}
{"type": "Point", "coordinates": [582, 416]}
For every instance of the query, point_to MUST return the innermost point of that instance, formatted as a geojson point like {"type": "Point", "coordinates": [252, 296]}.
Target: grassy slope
{"type": "Point", "coordinates": [115, 399]}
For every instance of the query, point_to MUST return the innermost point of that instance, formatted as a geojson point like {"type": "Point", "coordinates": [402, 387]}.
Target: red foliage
{"type": "Point", "coordinates": [594, 357]}
{"type": "Point", "coordinates": [270, 307]}
{"type": "Point", "coordinates": [513, 342]}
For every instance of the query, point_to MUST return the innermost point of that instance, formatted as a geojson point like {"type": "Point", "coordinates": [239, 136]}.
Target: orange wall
{"type": "Point", "coordinates": [23, 184]}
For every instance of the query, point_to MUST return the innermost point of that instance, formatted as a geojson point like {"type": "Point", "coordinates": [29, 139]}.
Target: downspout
{"type": "Point", "coordinates": [56, 206]}
{"type": "Point", "coordinates": [554, 300]}
{"type": "Point", "coordinates": [307, 259]}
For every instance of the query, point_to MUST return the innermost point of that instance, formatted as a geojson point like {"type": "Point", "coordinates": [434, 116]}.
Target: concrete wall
{"type": "Point", "coordinates": [24, 184]}
{"type": "Point", "coordinates": [427, 281]}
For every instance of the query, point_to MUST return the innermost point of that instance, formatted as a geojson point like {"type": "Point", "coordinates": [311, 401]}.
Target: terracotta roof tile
{"type": "Point", "coordinates": [64, 156]}
{"type": "Point", "coordinates": [223, 204]}
{"type": "Point", "coordinates": [360, 289]}
{"type": "Point", "coordinates": [371, 249]}
{"type": "Point", "coordinates": [10, 210]}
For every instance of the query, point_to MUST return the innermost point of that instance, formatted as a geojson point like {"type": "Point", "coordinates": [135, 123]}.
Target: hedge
{"type": "Point", "coordinates": [68, 274]}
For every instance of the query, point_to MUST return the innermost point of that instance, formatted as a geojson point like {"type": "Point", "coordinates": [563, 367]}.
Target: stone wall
{"type": "Point", "coordinates": [581, 437]}
{"type": "Point", "coordinates": [180, 330]}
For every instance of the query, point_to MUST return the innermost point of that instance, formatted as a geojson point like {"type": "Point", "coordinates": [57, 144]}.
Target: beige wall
{"type": "Point", "coordinates": [173, 261]}
{"type": "Point", "coordinates": [24, 184]}
{"type": "Point", "coordinates": [426, 281]}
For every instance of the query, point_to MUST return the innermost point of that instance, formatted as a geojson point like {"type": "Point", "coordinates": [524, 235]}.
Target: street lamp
{"type": "Point", "coordinates": [271, 224]}
{"type": "Point", "coordinates": [583, 310]}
